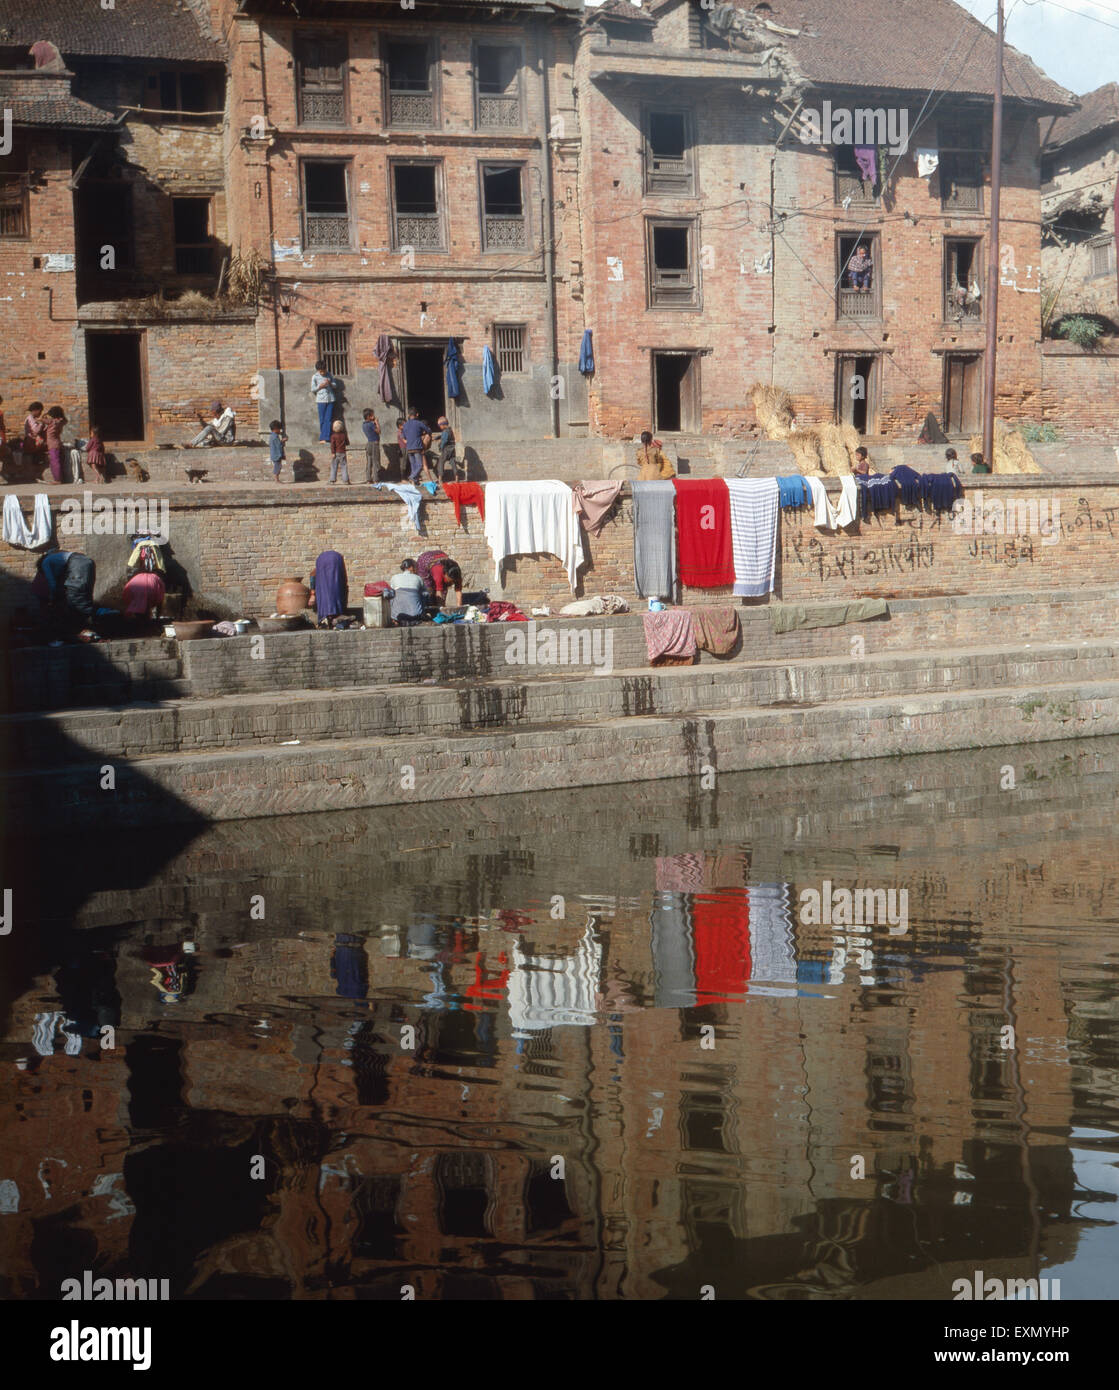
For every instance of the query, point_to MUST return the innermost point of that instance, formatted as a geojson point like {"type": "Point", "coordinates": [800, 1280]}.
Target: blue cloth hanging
{"type": "Point", "coordinates": [453, 363]}
{"type": "Point", "coordinates": [586, 354]}
{"type": "Point", "coordinates": [792, 491]}
{"type": "Point", "coordinates": [489, 370]}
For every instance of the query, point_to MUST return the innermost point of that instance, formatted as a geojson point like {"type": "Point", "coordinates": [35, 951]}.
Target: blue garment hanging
{"type": "Point", "coordinates": [489, 370]}
{"type": "Point", "coordinates": [453, 363]}
{"type": "Point", "coordinates": [792, 491]}
{"type": "Point", "coordinates": [586, 354]}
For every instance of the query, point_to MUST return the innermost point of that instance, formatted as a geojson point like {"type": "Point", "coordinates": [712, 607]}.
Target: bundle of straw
{"type": "Point", "coordinates": [1012, 453]}
{"type": "Point", "coordinates": [774, 410]}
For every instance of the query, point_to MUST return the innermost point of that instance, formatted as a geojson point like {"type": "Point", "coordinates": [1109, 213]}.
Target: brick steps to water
{"type": "Point", "coordinates": [552, 697]}
{"type": "Point", "coordinates": [334, 774]}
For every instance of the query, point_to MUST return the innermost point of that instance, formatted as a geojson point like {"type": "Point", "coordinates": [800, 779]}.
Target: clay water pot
{"type": "Point", "coordinates": [292, 597]}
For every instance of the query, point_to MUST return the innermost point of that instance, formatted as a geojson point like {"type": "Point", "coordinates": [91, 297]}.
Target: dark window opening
{"type": "Point", "coordinates": [326, 206]}
{"type": "Point", "coordinates": [462, 1181]}
{"type": "Point", "coordinates": [194, 248]}
{"type": "Point", "coordinates": [668, 160]}
{"type": "Point", "coordinates": [503, 219]}
{"type": "Point", "coordinates": [376, 1229]}
{"type": "Point", "coordinates": [860, 289]}
{"type": "Point", "coordinates": [961, 166]}
{"type": "Point", "coordinates": [103, 214]}
{"type": "Point", "coordinates": [409, 67]}
{"type": "Point", "coordinates": [185, 93]}
{"type": "Point", "coordinates": [14, 205]}
{"type": "Point", "coordinates": [411, 88]}
{"type": "Point", "coordinates": [498, 87]}
{"type": "Point", "coordinates": [703, 1122]}
{"type": "Point", "coordinates": [321, 68]}
{"type": "Point", "coordinates": [963, 289]}
{"type": "Point", "coordinates": [672, 278]}
{"type": "Point", "coordinates": [546, 1204]}
{"type": "Point", "coordinates": [416, 216]}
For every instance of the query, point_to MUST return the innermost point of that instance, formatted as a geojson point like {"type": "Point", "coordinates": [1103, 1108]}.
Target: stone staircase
{"type": "Point", "coordinates": [325, 721]}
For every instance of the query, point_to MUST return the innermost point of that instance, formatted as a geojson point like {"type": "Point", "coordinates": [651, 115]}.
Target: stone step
{"type": "Point", "coordinates": [114, 673]}
{"type": "Point", "coordinates": [345, 773]}
{"type": "Point", "coordinates": [566, 698]}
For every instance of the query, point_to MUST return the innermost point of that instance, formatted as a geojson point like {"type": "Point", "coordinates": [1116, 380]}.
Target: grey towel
{"type": "Point", "coordinates": [787, 617]}
{"type": "Point", "coordinates": [654, 539]}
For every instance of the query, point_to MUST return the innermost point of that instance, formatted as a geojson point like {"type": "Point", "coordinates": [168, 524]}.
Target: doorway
{"type": "Point", "coordinates": [676, 398]}
{"type": "Point", "coordinates": [422, 373]}
{"type": "Point", "coordinates": [856, 386]}
{"type": "Point", "coordinates": [115, 381]}
{"type": "Point", "coordinates": [963, 392]}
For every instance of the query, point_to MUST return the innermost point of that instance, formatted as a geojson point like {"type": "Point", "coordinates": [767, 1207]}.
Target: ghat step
{"type": "Point", "coordinates": [337, 774]}
{"type": "Point", "coordinates": [563, 697]}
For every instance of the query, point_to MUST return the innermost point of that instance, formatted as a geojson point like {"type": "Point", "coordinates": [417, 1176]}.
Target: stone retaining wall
{"type": "Point", "coordinates": [236, 547]}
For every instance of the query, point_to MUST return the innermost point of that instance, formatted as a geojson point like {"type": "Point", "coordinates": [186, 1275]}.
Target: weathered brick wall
{"type": "Point", "coordinates": [237, 548]}
{"type": "Point", "coordinates": [1080, 389]}
{"type": "Point", "coordinates": [37, 307]}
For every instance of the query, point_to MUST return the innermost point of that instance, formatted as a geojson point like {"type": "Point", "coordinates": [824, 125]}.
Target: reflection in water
{"type": "Point", "coordinates": [584, 1046]}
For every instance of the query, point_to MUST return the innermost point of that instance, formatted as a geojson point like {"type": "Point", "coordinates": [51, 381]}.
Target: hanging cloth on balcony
{"type": "Point", "coordinates": [927, 162]}
{"type": "Point", "coordinates": [385, 358]}
{"type": "Point", "coordinates": [489, 370]}
{"type": "Point", "coordinates": [452, 362]}
{"type": "Point", "coordinates": [586, 354]}
{"type": "Point", "coordinates": [865, 158]}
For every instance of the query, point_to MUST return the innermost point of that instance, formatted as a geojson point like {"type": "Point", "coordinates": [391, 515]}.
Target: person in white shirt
{"type": "Point", "coordinates": [407, 606]}
{"type": "Point", "coordinates": [220, 430]}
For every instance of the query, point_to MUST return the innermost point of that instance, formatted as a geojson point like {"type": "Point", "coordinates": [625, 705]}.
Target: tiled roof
{"type": "Point", "coordinates": [1099, 110]}
{"type": "Point", "coordinates": [902, 45]}
{"type": "Point", "coordinates": [40, 100]}
{"type": "Point", "coordinates": [618, 11]}
{"type": "Point", "coordinates": [131, 29]}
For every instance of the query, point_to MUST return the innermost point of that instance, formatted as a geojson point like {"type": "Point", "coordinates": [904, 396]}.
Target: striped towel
{"type": "Point", "coordinates": [654, 539]}
{"type": "Point", "coordinates": [753, 530]}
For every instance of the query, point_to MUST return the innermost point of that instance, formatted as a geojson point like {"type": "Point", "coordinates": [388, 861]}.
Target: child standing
{"type": "Point", "coordinates": [95, 454]}
{"type": "Point", "coordinates": [276, 441]}
{"type": "Point", "coordinates": [56, 422]}
{"type": "Point", "coordinates": [372, 432]}
{"type": "Point", "coordinates": [35, 435]}
{"type": "Point", "coordinates": [339, 443]}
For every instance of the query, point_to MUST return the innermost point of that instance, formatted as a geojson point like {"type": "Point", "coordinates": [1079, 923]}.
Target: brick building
{"type": "Point", "coordinates": [113, 206]}
{"type": "Point", "coordinates": [719, 230]}
{"type": "Point", "coordinates": [393, 164]}
{"type": "Point", "coordinates": [507, 176]}
{"type": "Point", "coordinates": [1080, 171]}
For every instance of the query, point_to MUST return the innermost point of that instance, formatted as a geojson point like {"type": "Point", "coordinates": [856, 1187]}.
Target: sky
{"type": "Point", "coordinates": [1071, 40]}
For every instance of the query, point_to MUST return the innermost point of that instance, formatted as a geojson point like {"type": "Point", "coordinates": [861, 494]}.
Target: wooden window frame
{"type": "Point", "coordinates": [522, 329]}
{"type": "Point", "coordinates": [659, 185]}
{"type": "Point", "coordinates": [323, 353]}
{"type": "Point", "coordinates": [695, 303]}
{"type": "Point", "coordinates": [15, 192]}
{"type": "Point", "coordinates": [874, 242]}
{"type": "Point", "coordinates": [971, 320]}
{"type": "Point", "coordinates": [440, 219]}
{"type": "Point", "coordinates": [517, 248]}
{"type": "Point", "coordinates": [519, 96]}
{"type": "Point", "coordinates": [304, 213]}
{"type": "Point", "coordinates": [1107, 245]}
{"type": "Point", "coordinates": [434, 85]}
{"type": "Point", "coordinates": [321, 36]}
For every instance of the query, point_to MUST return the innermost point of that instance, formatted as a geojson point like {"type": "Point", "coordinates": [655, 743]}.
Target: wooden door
{"type": "Point", "coordinates": [963, 393]}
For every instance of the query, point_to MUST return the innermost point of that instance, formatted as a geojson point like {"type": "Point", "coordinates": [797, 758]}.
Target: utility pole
{"type": "Point", "coordinates": [994, 264]}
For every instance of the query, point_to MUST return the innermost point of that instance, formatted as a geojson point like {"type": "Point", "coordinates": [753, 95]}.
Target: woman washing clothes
{"type": "Point", "coordinates": [440, 577]}
{"type": "Point", "coordinates": [328, 585]}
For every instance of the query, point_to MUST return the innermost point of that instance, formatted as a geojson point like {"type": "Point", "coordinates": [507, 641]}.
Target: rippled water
{"type": "Point", "coordinates": [589, 1045]}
